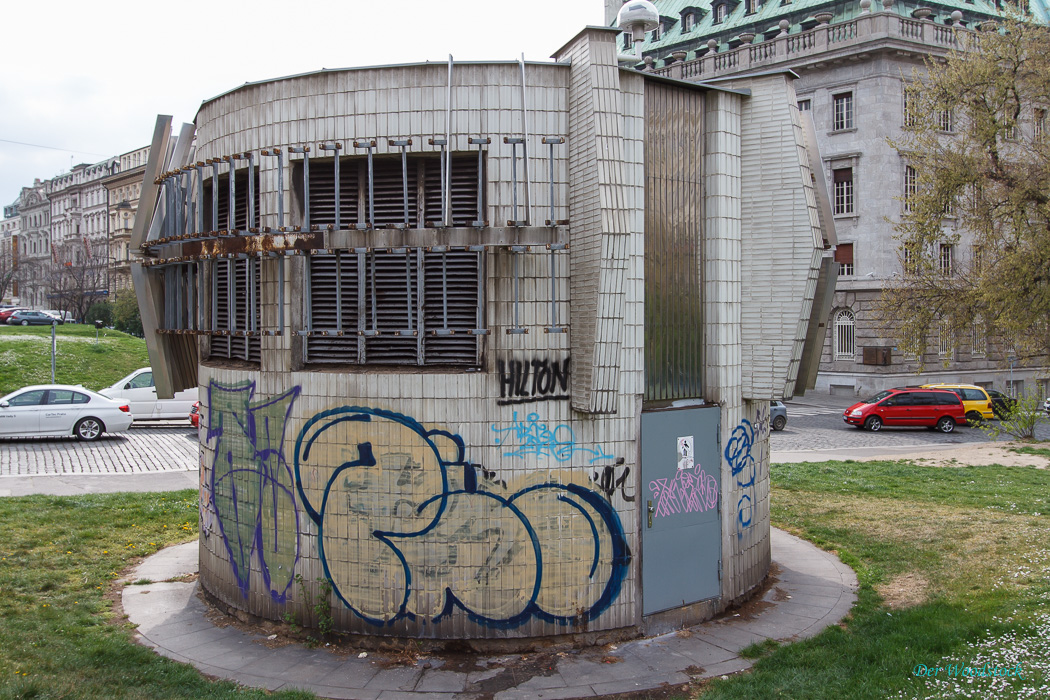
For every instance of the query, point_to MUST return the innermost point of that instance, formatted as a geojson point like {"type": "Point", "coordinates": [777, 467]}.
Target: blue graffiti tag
{"type": "Point", "coordinates": [251, 484]}
{"type": "Point", "coordinates": [532, 438]}
{"type": "Point", "coordinates": [406, 531]}
{"type": "Point", "coordinates": [742, 466]}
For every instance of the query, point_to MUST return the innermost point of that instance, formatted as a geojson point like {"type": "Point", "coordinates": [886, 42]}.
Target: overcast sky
{"type": "Point", "coordinates": [82, 81]}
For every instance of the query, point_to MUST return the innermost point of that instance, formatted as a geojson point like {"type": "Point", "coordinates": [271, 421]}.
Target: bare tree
{"type": "Point", "coordinates": [975, 236]}
{"type": "Point", "coordinates": [78, 278]}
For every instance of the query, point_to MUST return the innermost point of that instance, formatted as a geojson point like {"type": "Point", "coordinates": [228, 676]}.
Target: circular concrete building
{"type": "Point", "coordinates": [477, 344]}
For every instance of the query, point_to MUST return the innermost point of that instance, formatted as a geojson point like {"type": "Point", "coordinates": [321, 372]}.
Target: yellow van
{"type": "Point", "coordinates": [975, 400]}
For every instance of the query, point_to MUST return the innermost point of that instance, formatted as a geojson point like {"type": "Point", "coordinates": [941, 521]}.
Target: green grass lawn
{"type": "Point", "coordinates": [954, 570]}
{"type": "Point", "coordinates": [953, 563]}
{"type": "Point", "coordinates": [25, 356]}
{"type": "Point", "coordinates": [59, 557]}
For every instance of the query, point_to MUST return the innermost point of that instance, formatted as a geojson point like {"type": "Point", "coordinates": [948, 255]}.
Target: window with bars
{"type": "Point", "coordinates": [976, 258]}
{"type": "Point", "coordinates": [395, 307]}
{"type": "Point", "coordinates": [845, 335]}
{"type": "Point", "coordinates": [843, 190]}
{"type": "Point", "coordinates": [944, 120]}
{"type": "Point", "coordinates": [910, 256]}
{"type": "Point", "coordinates": [945, 341]}
{"type": "Point", "coordinates": [911, 187]}
{"type": "Point", "coordinates": [978, 338]}
{"type": "Point", "coordinates": [910, 117]}
{"type": "Point", "coordinates": [844, 257]}
{"type": "Point", "coordinates": [236, 308]}
{"type": "Point", "coordinates": [947, 255]}
{"type": "Point", "coordinates": [842, 111]}
{"type": "Point", "coordinates": [423, 175]}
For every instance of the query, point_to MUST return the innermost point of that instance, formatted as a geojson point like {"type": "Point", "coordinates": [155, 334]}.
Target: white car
{"type": "Point", "coordinates": [60, 409]}
{"type": "Point", "coordinates": [137, 388]}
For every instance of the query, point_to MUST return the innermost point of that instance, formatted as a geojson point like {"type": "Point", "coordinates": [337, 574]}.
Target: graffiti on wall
{"type": "Point", "coordinates": [742, 467]}
{"type": "Point", "coordinates": [688, 491]}
{"type": "Point", "coordinates": [531, 438]}
{"type": "Point", "coordinates": [251, 486]}
{"type": "Point", "coordinates": [608, 481]}
{"type": "Point", "coordinates": [408, 530]}
{"type": "Point", "coordinates": [528, 381]}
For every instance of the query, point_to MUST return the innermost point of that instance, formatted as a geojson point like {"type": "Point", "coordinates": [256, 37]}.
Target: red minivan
{"type": "Point", "coordinates": [929, 408]}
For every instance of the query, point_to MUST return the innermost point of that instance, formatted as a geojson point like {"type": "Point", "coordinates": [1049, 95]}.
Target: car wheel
{"type": "Point", "coordinates": [974, 417]}
{"type": "Point", "coordinates": [874, 424]}
{"type": "Point", "coordinates": [25, 322]}
{"type": "Point", "coordinates": [779, 422]}
{"type": "Point", "coordinates": [946, 424]}
{"type": "Point", "coordinates": [88, 429]}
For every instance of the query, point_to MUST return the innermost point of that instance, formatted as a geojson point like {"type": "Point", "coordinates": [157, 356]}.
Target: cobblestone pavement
{"type": "Point", "coordinates": [152, 448]}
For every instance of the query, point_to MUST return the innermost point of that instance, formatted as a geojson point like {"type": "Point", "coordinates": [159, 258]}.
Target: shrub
{"type": "Point", "coordinates": [1019, 421]}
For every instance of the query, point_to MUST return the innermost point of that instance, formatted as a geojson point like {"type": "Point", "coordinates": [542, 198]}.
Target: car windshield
{"type": "Point", "coordinates": [877, 397]}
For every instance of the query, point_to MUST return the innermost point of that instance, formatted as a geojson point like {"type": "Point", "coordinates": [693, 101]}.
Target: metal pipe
{"type": "Point", "coordinates": [525, 144]}
{"type": "Point", "coordinates": [446, 192]}
{"type": "Point", "coordinates": [334, 147]}
{"type": "Point", "coordinates": [231, 204]}
{"type": "Point", "coordinates": [276, 152]}
{"type": "Point", "coordinates": [369, 144]}
{"type": "Point", "coordinates": [214, 162]}
{"type": "Point", "coordinates": [339, 290]}
{"type": "Point", "coordinates": [199, 167]}
{"type": "Point", "coordinates": [403, 144]}
{"type": "Point", "coordinates": [305, 150]}
{"type": "Point", "coordinates": [479, 142]}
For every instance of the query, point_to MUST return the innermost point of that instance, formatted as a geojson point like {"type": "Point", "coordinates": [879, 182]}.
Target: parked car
{"type": "Point", "coordinates": [60, 409]}
{"type": "Point", "coordinates": [195, 414]}
{"type": "Point", "coordinates": [1001, 403]}
{"type": "Point", "coordinates": [931, 408]}
{"type": "Point", "coordinates": [138, 389]}
{"type": "Point", "coordinates": [6, 313]}
{"type": "Point", "coordinates": [976, 401]}
{"type": "Point", "coordinates": [26, 317]}
{"type": "Point", "coordinates": [778, 415]}
{"type": "Point", "coordinates": [66, 316]}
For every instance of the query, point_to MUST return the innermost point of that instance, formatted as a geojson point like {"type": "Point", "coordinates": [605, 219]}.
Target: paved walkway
{"type": "Point", "coordinates": [814, 590]}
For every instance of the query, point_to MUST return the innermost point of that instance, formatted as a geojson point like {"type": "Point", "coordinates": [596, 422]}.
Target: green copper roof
{"type": "Point", "coordinates": [767, 16]}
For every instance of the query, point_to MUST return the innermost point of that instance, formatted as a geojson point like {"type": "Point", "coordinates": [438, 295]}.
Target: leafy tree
{"type": "Point", "coordinates": [126, 313]}
{"type": "Point", "coordinates": [100, 311]}
{"type": "Point", "coordinates": [976, 140]}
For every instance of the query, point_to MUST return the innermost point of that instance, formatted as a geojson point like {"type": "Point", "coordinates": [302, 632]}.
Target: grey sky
{"type": "Point", "coordinates": [89, 79]}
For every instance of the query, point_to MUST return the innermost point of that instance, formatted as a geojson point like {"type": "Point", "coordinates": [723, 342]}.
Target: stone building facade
{"type": "Point", "coordinates": [853, 60]}
{"type": "Point", "coordinates": [487, 347]}
{"type": "Point", "coordinates": [122, 196]}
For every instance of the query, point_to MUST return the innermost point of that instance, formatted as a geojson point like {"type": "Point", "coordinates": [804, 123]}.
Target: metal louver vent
{"type": "Point", "coordinates": [333, 285]}
{"type": "Point", "coordinates": [236, 281]}
{"type": "Point", "coordinates": [240, 197]}
{"type": "Point", "coordinates": [397, 307]}
{"type": "Point", "coordinates": [389, 192]}
{"type": "Point", "coordinates": [322, 191]}
{"type": "Point", "coordinates": [464, 189]}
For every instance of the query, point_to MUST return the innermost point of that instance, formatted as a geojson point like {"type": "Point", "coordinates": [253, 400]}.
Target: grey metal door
{"type": "Point", "coordinates": [681, 503]}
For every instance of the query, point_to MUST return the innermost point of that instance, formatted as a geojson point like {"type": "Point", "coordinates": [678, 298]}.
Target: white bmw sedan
{"type": "Point", "coordinates": [138, 391]}
{"type": "Point", "coordinates": [59, 409]}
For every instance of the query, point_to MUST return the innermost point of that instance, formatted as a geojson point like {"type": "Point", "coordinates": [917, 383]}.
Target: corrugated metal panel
{"type": "Point", "coordinates": [673, 236]}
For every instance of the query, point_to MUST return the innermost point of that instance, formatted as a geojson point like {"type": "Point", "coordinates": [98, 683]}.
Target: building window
{"type": "Point", "coordinates": [720, 13]}
{"type": "Point", "coordinates": [805, 105]}
{"type": "Point", "coordinates": [976, 258]}
{"type": "Point", "coordinates": [628, 40]}
{"type": "Point", "coordinates": [909, 259]}
{"type": "Point", "coordinates": [656, 32]}
{"type": "Point", "coordinates": [945, 341]}
{"type": "Point", "coordinates": [845, 335]}
{"type": "Point", "coordinates": [911, 187]}
{"type": "Point", "coordinates": [978, 339]}
{"type": "Point", "coordinates": [947, 266]}
{"type": "Point", "coordinates": [394, 307]}
{"type": "Point", "coordinates": [687, 22]}
{"type": "Point", "coordinates": [944, 120]}
{"type": "Point", "coordinates": [842, 111]}
{"type": "Point", "coordinates": [843, 182]}
{"type": "Point", "coordinates": [749, 7]}
{"type": "Point", "coordinates": [844, 257]}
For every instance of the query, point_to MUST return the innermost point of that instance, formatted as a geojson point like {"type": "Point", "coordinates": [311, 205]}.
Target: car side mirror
{"type": "Point", "coordinates": [128, 385]}
{"type": "Point", "coordinates": [5, 404]}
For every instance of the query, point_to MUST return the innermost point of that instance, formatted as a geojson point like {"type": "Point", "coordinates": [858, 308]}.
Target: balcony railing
{"type": "Point", "coordinates": [793, 48]}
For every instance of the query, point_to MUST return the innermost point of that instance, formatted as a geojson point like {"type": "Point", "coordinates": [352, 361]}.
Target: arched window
{"type": "Point", "coordinates": [845, 335]}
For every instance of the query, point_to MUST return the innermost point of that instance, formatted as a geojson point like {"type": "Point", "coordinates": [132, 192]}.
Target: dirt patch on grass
{"type": "Point", "coordinates": [904, 591]}
{"type": "Point", "coordinates": [976, 455]}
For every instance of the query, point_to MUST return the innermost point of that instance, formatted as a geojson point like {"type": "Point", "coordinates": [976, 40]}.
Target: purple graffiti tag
{"type": "Point", "coordinates": [688, 491]}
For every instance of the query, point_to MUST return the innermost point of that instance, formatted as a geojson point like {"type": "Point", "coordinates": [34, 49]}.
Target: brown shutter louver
{"type": "Point", "coordinates": [844, 253]}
